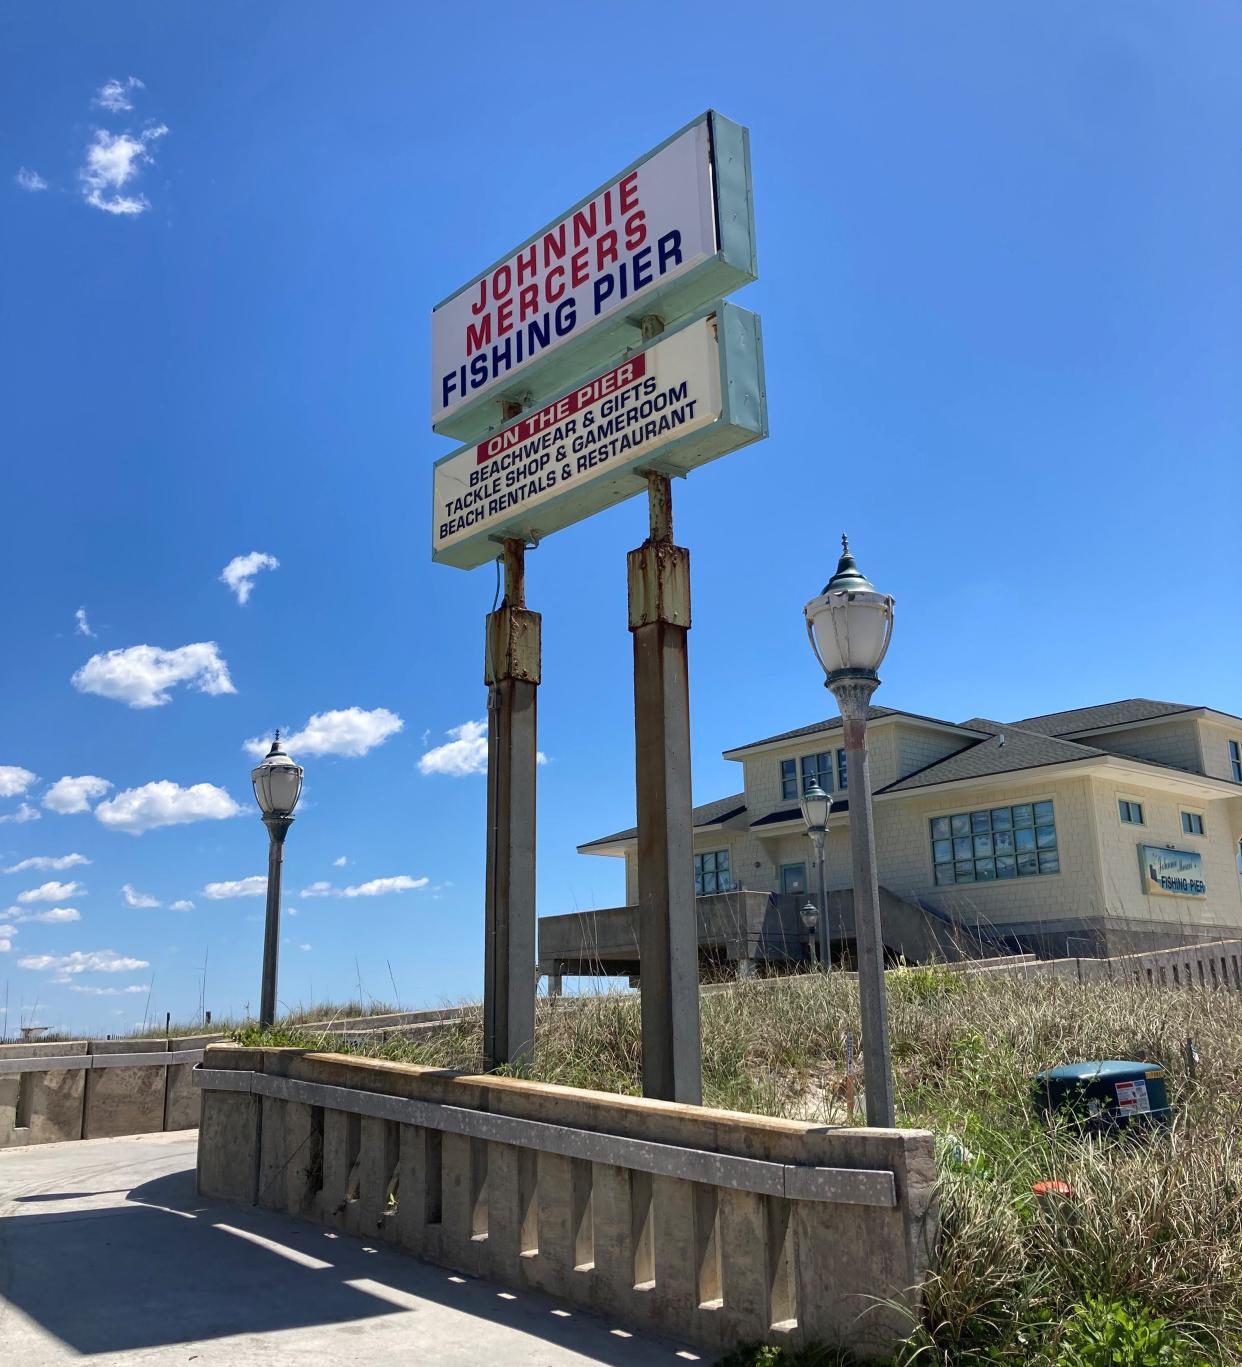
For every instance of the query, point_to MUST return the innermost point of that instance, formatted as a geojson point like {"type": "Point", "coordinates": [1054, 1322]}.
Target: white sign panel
{"type": "Point", "coordinates": [603, 428]}
{"type": "Point", "coordinates": [653, 224]}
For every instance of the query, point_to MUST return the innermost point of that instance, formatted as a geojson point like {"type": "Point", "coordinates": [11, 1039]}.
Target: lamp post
{"type": "Point", "coordinates": [277, 787]}
{"type": "Point", "coordinates": [850, 625]}
{"type": "Point", "coordinates": [816, 806]}
{"type": "Point", "coordinates": [810, 919]}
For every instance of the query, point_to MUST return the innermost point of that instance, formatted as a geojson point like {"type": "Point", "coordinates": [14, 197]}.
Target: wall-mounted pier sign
{"type": "Point", "coordinates": [682, 400]}
{"type": "Point", "coordinates": [669, 235]}
{"type": "Point", "coordinates": [1172, 873]}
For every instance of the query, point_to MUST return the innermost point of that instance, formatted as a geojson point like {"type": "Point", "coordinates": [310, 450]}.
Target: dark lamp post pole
{"type": "Point", "coordinates": [277, 787]}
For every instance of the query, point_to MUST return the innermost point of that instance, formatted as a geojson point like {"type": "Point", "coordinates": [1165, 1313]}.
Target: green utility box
{"type": "Point", "coordinates": [1106, 1093]}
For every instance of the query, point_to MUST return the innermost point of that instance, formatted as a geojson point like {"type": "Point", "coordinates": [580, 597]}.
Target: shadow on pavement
{"type": "Point", "coordinates": [173, 1267]}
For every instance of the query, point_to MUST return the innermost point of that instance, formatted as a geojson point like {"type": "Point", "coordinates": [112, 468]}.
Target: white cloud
{"type": "Point", "coordinates": [134, 898]}
{"type": "Point", "coordinates": [350, 731]}
{"type": "Point", "coordinates": [14, 780]}
{"type": "Point", "coordinates": [378, 887]}
{"type": "Point", "coordinates": [108, 991]}
{"type": "Point", "coordinates": [291, 911]}
{"type": "Point", "coordinates": [112, 161]}
{"type": "Point", "coordinates": [183, 904]}
{"type": "Point", "coordinates": [239, 573]}
{"type": "Point", "coordinates": [340, 863]}
{"type": "Point", "coordinates": [319, 889]}
{"type": "Point", "coordinates": [51, 892]}
{"type": "Point", "coordinates": [165, 804]}
{"type": "Point", "coordinates": [5, 944]}
{"type": "Point", "coordinates": [25, 812]}
{"type": "Point", "coordinates": [303, 947]}
{"type": "Point", "coordinates": [30, 180]}
{"type": "Point", "coordinates": [142, 675]}
{"type": "Point", "coordinates": [48, 861]}
{"type": "Point", "coordinates": [67, 966]}
{"type": "Point", "coordinates": [465, 754]}
{"type": "Point", "coordinates": [54, 916]}
{"type": "Point", "coordinates": [83, 627]}
{"type": "Point", "coordinates": [241, 887]}
{"type": "Point", "coordinates": [114, 95]}
{"type": "Point", "coordinates": [70, 794]}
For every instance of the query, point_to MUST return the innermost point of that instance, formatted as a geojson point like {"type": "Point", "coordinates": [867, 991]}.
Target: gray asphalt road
{"type": "Point", "coordinates": [108, 1252]}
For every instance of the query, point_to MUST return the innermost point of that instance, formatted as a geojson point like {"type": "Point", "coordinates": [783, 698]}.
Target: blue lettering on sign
{"type": "Point", "coordinates": [636, 272]}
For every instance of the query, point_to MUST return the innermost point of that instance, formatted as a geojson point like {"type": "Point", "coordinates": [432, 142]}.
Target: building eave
{"type": "Point", "coordinates": [742, 752]}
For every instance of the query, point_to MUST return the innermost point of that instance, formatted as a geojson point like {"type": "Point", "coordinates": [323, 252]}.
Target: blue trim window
{"type": "Point", "coordinates": [1192, 823]}
{"type": "Point", "coordinates": [789, 780]}
{"type": "Point", "coordinates": [994, 844]}
{"type": "Point", "coordinates": [1131, 813]}
{"type": "Point", "coordinates": [711, 873]}
{"type": "Point", "coordinates": [1235, 760]}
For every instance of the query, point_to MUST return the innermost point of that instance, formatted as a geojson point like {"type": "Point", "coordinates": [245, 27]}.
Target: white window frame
{"type": "Point", "coordinates": [1132, 802]}
{"type": "Point", "coordinates": [1201, 833]}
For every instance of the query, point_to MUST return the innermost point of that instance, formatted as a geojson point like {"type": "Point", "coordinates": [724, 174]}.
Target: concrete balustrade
{"type": "Point", "coordinates": [712, 1226]}
{"type": "Point", "coordinates": [90, 1089]}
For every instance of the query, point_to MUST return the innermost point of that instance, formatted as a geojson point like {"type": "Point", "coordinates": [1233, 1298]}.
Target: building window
{"type": "Point", "coordinates": [817, 769]}
{"type": "Point", "coordinates": [1235, 760]}
{"type": "Point", "coordinates": [1131, 812]}
{"type": "Point", "coordinates": [995, 843]}
{"type": "Point", "coordinates": [789, 780]}
{"type": "Point", "coordinates": [842, 775]}
{"type": "Point", "coordinates": [711, 873]}
{"type": "Point", "coordinates": [1192, 823]}
{"type": "Point", "coordinates": [793, 878]}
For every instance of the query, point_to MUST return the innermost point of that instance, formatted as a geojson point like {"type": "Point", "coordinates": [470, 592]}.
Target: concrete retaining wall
{"type": "Point", "coordinates": [708, 1225]}
{"type": "Point", "coordinates": [133, 1086]}
{"type": "Point", "coordinates": [1214, 966]}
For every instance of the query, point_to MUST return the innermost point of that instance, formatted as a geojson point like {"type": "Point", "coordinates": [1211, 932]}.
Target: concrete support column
{"type": "Point", "coordinates": [512, 672]}
{"type": "Point", "coordinates": [659, 612]}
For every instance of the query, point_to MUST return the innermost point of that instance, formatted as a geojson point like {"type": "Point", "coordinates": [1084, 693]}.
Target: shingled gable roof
{"type": "Point", "coordinates": [1080, 720]}
{"type": "Point", "coordinates": [1007, 749]}
{"type": "Point", "coordinates": [706, 815]}
{"type": "Point", "coordinates": [835, 723]}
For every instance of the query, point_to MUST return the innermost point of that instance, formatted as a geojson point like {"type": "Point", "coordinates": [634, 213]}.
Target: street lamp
{"type": "Point", "coordinates": [850, 625]}
{"type": "Point", "coordinates": [816, 806]}
{"type": "Point", "coordinates": [277, 787]}
{"type": "Point", "coordinates": [810, 918]}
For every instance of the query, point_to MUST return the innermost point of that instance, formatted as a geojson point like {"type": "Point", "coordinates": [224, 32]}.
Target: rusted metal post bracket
{"type": "Point", "coordinates": [659, 617]}
{"type": "Point", "coordinates": [511, 671]}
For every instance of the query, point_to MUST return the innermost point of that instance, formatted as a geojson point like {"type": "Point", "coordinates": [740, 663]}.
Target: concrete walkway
{"type": "Point", "coordinates": [107, 1251]}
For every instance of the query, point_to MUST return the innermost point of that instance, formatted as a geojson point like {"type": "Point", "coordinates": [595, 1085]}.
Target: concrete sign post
{"type": "Point", "coordinates": [589, 365]}
{"type": "Point", "coordinates": [668, 935]}
{"type": "Point", "coordinates": [511, 672]}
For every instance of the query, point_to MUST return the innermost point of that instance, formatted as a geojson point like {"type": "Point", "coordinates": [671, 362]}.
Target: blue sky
{"type": "Point", "coordinates": [1000, 288]}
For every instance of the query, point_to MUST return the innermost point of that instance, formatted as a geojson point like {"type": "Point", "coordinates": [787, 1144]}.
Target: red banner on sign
{"type": "Point", "coordinates": [620, 377]}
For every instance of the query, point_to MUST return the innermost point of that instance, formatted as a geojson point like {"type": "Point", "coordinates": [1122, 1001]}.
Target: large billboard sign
{"type": "Point", "coordinates": [1172, 873]}
{"type": "Point", "coordinates": [682, 400]}
{"type": "Point", "coordinates": [669, 235]}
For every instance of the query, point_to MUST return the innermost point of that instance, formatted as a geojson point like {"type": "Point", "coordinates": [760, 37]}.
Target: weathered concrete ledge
{"type": "Point", "coordinates": [91, 1089]}
{"type": "Point", "coordinates": [713, 1226]}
